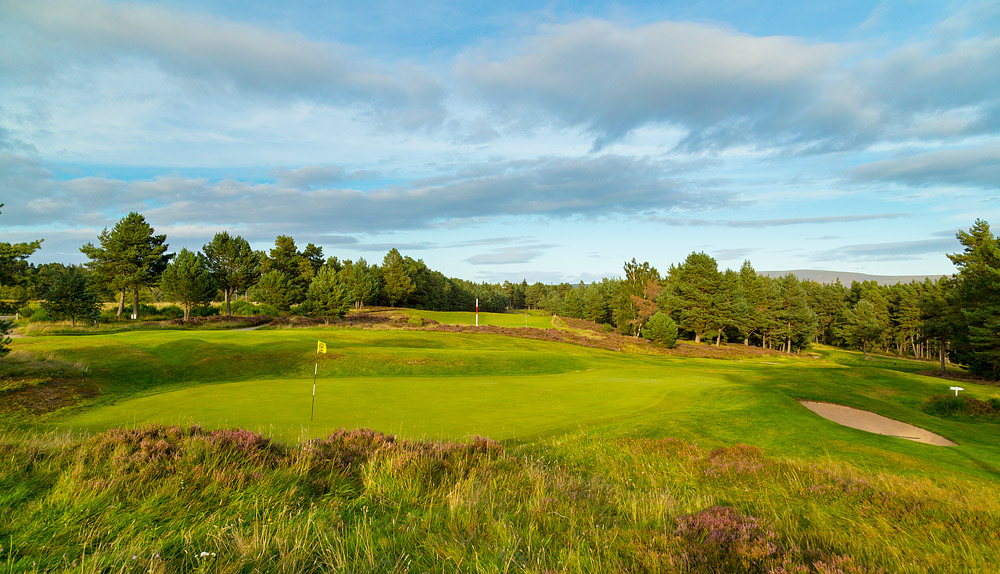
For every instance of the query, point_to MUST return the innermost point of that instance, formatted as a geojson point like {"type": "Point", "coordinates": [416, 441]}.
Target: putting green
{"type": "Point", "coordinates": [487, 319]}
{"type": "Point", "coordinates": [433, 407]}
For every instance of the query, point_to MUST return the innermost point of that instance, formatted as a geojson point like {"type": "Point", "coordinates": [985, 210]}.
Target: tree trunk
{"type": "Point", "coordinates": [187, 313]}
{"type": "Point", "coordinates": [697, 337]}
{"type": "Point", "coordinates": [121, 305]}
{"type": "Point", "coordinates": [227, 293]}
{"type": "Point", "coordinates": [718, 338]}
{"type": "Point", "coordinates": [135, 302]}
{"type": "Point", "coordinates": [941, 351]}
{"type": "Point", "coordinates": [864, 348]}
{"type": "Point", "coordinates": [746, 341]}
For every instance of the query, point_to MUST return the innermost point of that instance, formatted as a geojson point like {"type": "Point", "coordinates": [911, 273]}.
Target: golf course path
{"type": "Point", "coordinates": [871, 422]}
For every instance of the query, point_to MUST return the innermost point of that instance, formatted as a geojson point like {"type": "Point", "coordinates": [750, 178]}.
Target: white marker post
{"type": "Point", "coordinates": [956, 389]}
{"type": "Point", "coordinates": [477, 311]}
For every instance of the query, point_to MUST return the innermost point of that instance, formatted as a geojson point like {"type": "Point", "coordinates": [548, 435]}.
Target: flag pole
{"type": "Point", "coordinates": [315, 370]}
{"type": "Point", "coordinates": [320, 348]}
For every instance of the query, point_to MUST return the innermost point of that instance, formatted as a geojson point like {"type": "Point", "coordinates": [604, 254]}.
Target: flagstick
{"type": "Point", "coordinates": [313, 409]}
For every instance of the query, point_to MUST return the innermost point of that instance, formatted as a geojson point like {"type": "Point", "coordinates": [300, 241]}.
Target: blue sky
{"type": "Point", "coordinates": [550, 142]}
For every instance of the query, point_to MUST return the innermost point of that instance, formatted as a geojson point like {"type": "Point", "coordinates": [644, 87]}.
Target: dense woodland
{"type": "Point", "coordinates": [956, 318]}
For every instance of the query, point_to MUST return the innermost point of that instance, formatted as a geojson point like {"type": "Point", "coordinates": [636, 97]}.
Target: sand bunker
{"type": "Point", "coordinates": [871, 422]}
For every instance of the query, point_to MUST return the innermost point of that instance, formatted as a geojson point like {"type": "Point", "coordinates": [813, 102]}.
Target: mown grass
{"type": "Point", "coordinates": [609, 461]}
{"type": "Point", "coordinates": [535, 319]}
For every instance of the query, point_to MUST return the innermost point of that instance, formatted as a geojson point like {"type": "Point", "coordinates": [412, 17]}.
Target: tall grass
{"type": "Point", "coordinates": [185, 499]}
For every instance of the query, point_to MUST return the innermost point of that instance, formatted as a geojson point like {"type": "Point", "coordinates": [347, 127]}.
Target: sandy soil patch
{"type": "Point", "coordinates": [871, 422]}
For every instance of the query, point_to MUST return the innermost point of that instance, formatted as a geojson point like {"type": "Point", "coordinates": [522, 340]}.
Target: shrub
{"type": "Point", "coordinates": [171, 312]}
{"type": "Point", "coordinates": [720, 539]}
{"type": "Point", "coordinates": [205, 311]}
{"type": "Point", "coordinates": [248, 309]}
{"type": "Point", "coordinates": [415, 321]}
{"type": "Point", "coordinates": [961, 406]}
{"type": "Point", "coordinates": [661, 329]}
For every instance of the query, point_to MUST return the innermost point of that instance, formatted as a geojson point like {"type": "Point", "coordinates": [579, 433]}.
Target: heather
{"type": "Point", "coordinates": [187, 499]}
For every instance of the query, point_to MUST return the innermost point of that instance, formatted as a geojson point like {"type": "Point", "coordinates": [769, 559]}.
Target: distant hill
{"type": "Point", "coordinates": [846, 278]}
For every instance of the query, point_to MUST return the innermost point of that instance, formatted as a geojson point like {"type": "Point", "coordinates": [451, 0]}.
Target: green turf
{"type": "Point", "coordinates": [510, 319]}
{"type": "Point", "coordinates": [448, 385]}
{"type": "Point", "coordinates": [586, 480]}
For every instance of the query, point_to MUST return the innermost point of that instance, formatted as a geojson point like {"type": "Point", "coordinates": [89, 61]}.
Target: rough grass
{"type": "Point", "coordinates": [186, 499]}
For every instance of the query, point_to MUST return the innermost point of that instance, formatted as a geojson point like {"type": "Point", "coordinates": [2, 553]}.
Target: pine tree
{"type": "Point", "coordinates": [694, 295]}
{"type": "Point", "coordinates": [233, 264]}
{"type": "Point", "coordinates": [130, 257]}
{"type": "Point", "coordinates": [572, 306]}
{"type": "Point", "coordinates": [71, 296]}
{"type": "Point", "coordinates": [395, 278]}
{"type": "Point", "coordinates": [661, 329]}
{"type": "Point", "coordinates": [327, 295]}
{"type": "Point", "coordinates": [977, 335]}
{"type": "Point", "coordinates": [273, 289]}
{"type": "Point", "coordinates": [864, 325]}
{"type": "Point", "coordinates": [12, 267]}
{"type": "Point", "coordinates": [187, 281]}
{"type": "Point", "coordinates": [940, 315]}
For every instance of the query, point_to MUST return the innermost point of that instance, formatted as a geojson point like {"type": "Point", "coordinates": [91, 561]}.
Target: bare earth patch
{"type": "Point", "coordinates": [871, 422]}
{"type": "Point", "coordinates": [47, 396]}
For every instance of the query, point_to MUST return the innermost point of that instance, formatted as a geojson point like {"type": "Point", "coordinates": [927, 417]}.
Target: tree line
{"type": "Point", "coordinates": [956, 317]}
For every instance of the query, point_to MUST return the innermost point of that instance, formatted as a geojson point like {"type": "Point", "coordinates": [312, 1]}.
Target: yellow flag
{"type": "Point", "coordinates": [321, 347]}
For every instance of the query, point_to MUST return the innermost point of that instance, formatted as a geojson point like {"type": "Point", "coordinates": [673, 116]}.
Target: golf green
{"type": "Point", "coordinates": [434, 407]}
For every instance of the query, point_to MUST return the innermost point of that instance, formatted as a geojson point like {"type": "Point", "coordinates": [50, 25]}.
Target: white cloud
{"type": "Point", "coordinates": [214, 53]}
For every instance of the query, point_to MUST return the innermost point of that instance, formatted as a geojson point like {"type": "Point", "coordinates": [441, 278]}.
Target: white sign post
{"type": "Point", "coordinates": [477, 311]}
{"type": "Point", "coordinates": [956, 389]}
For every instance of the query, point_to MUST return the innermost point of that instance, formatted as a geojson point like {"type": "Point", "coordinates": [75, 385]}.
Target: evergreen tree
{"type": "Point", "coordinates": [12, 267]}
{"type": "Point", "coordinates": [977, 334]}
{"type": "Point", "coordinates": [595, 305]}
{"type": "Point", "coordinates": [129, 258]}
{"type": "Point", "coordinates": [863, 325]}
{"type": "Point", "coordinates": [794, 322]}
{"type": "Point", "coordinates": [940, 314]}
{"type": "Point", "coordinates": [694, 295]}
{"type": "Point", "coordinates": [395, 278]}
{"type": "Point", "coordinates": [734, 311]}
{"type": "Point", "coordinates": [553, 302]}
{"type": "Point", "coordinates": [327, 295]}
{"type": "Point", "coordinates": [71, 296]}
{"type": "Point", "coordinates": [314, 255]}
{"type": "Point", "coordinates": [572, 306]}
{"type": "Point", "coordinates": [637, 296]}
{"type": "Point", "coordinates": [534, 296]}
{"type": "Point", "coordinates": [661, 329]}
{"type": "Point", "coordinates": [297, 269]}
{"type": "Point", "coordinates": [188, 281]}
{"type": "Point", "coordinates": [233, 264]}
{"type": "Point", "coordinates": [273, 289]}
{"type": "Point", "coordinates": [361, 281]}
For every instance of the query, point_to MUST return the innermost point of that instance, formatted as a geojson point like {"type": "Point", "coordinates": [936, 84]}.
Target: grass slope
{"type": "Point", "coordinates": [609, 461]}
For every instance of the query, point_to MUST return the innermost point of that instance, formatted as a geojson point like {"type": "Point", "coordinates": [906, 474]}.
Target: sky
{"type": "Point", "coordinates": [511, 140]}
